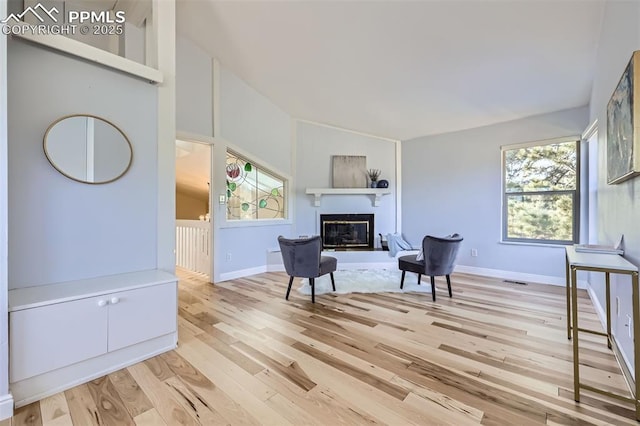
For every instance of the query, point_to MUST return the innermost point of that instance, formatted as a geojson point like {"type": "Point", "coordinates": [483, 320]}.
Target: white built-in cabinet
{"type": "Point", "coordinates": [68, 333]}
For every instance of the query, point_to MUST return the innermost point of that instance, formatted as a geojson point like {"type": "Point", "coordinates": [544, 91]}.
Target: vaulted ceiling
{"type": "Point", "coordinates": [405, 69]}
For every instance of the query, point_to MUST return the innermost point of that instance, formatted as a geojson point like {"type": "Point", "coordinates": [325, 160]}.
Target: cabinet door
{"type": "Point", "coordinates": [54, 336]}
{"type": "Point", "coordinates": [142, 314]}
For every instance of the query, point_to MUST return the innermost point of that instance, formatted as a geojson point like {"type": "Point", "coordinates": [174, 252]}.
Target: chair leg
{"type": "Point", "coordinates": [402, 280]}
{"type": "Point", "coordinates": [433, 288]}
{"type": "Point", "coordinates": [289, 288]}
{"type": "Point", "coordinates": [419, 278]}
{"type": "Point", "coordinates": [312, 281]}
{"type": "Point", "coordinates": [333, 282]}
{"type": "Point", "coordinates": [449, 284]}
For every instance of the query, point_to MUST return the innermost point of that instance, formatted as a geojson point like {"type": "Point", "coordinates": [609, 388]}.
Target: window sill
{"type": "Point", "coordinates": [252, 223]}
{"type": "Point", "coordinates": [521, 243]}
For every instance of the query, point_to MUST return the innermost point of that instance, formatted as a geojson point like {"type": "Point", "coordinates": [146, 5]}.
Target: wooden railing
{"type": "Point", "coordinates": [193, 241]}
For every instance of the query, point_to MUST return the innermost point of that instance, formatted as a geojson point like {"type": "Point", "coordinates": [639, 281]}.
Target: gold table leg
{"type": "Point", "coordinates": [568, 285]}
{"type": "Point", "coordinates": [574, 314]}
{"type": "Point", "coordinates": [636, 338]}
{"type": "Point", "coordinates": [608, 296]}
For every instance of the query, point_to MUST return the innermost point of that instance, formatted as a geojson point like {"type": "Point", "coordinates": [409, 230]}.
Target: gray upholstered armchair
{"type": "Point", "coordinates": [439, 259]}
{"type": "Point", "coordinates": [302, 258]}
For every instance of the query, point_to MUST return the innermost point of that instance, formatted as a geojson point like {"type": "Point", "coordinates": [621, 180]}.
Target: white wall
{"type": "Point", "coordinates": [618, 208]}
{"type": "Point", "coordinates": [250, 123]}
{"type": "Point", "coordinates": [452, 183]}
{"type": "Point", "coordinates": [6, 404]}
{"type": "Point", "coordinates": [194, 93]}
{"type": "Point", "coordinates": [61, 229]}
{"type": "Point", "coordinates": [315, 145]}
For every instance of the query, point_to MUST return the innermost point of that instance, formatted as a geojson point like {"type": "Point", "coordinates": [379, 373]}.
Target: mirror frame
{"type": "Point", "coordinates": [46, 152]}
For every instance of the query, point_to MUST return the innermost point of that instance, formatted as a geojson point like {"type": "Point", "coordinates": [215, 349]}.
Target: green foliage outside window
{"type": "Point", "coordinates": [252, 193]}
{"type": "Point", "coordinates": [541, 193]}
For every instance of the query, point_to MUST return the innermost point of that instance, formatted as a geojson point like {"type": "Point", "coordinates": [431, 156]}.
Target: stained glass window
{"type": "Point", "coordinates": [252, 192]}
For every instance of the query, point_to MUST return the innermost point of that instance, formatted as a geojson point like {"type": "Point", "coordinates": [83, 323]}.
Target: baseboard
{"type": "Point", "coordinates": [602, 316]}
{"type": "Point", "coordinates": [516, 276]}
{"type": "Point", "coordinates": [241, 273]}
{"type": "Point", "coordinates": [393, 263]}
{"type": "Point", "coordinates": [6, 406]}
{"type": "Point", "coordinates": [346, 266]}
{"type": "Point", "coordinates": [47, 384]}
{"type": "Point", "coordinates": [626, 365]}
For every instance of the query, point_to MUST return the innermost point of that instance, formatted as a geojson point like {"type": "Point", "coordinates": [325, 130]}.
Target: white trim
{"type": "Point", "coordinates": [93, 54]}
{"type": "Point", "coordinates": [398, 188]}
{"type": "Point", "coordinates": [516, 276]}
{"type": "Point", "coordinates": [275, 267]}
{"type": "Point", "coordinates": [193, 137]}
{"type": "Point", "coordinates": [598, 307]}
{"type": "Point", "coordinates": [532, 244]}
{"type": "Point", "coordinates": [590, 131]}
{"type": "Point", "coordinates": [292, 183]}
{"type": "Point", "coordinates": [393, 264]}
{"type": "Point", "coordinates": [6, 401]}
{"type": "Point", "coordinates": [346, 266]}
{"type": "Point", "coordinates": [602, 316]}
{"type": "Point", "coordinates": [213, 200]}
{"type": "Point", "coordinates": [47, 384]}
{"type": "Point", "coordinates": [319, 192]}
{"type": "Point", "coordinates": [330, 126]}
{"type": "Point", "coordinates": [164, 36]}
{"type": "Point", "coordinates": [563, 139]}
{"type": "Point", "coordinates": [216, 126]}
{"type": "Point", "coordinates": [247, 223]}
{"type": "Point", "coordinates": [503, 166]}
{"type": "Point", "coordinates": [241, 273]}
{"type": "Point", "coordinates": [626, 360]}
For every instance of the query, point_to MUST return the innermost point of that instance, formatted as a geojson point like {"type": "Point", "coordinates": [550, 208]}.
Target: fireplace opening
{"type": "Point", "coordinates": [347, 231]}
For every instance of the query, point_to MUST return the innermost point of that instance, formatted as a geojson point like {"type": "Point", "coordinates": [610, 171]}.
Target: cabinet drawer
{"type": "Point", "coordinates": [49, 337]}
{"type": "Point", "coordinates": [142, 314]}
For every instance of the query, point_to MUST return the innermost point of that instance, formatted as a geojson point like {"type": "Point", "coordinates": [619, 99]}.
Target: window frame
{"type": "Point", "coordinates": [265, 167]}
{"type": "Point", "coordinates": [575, 193]}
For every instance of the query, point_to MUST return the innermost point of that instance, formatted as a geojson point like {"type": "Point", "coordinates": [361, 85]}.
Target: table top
{"type": "Point", "coordinates": [613, 262]}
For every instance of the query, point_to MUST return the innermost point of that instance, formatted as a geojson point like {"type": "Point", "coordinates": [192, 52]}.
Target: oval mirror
{"type": "Point", "coordinates": [87, 149]}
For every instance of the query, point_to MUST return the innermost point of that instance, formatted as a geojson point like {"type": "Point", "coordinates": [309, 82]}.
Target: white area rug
{"type": "Point", "coordinates": [367, 281]}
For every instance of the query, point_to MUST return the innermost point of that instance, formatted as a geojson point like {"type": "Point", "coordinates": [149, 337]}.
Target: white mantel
{"type": "Point", "coordinates": [376, 192]}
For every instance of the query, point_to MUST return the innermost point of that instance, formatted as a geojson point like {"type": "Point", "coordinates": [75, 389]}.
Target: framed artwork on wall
{"type": "Point", "coordinates": [349, 171]}
{"type": "Point", "coordinates": [623, 125]}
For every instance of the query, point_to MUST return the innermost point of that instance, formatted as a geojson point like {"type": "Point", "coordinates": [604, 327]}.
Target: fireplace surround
{"type": "Point", "coordinates": [347, 231]}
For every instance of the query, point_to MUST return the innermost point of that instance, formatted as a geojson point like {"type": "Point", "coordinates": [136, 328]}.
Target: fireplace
{"type": "Point", "coordinates": [347, 231]}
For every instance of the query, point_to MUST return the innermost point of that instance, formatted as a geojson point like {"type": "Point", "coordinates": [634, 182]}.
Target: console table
{"type": "Point", "coordinates": [609, 264]}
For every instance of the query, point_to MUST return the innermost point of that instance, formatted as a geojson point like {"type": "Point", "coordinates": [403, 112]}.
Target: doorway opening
{"type": "Point", "coordinates": [194, 230]}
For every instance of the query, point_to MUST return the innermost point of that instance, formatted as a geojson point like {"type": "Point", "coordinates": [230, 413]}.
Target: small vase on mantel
{"type": "Point", "coordinates": [373, 174]}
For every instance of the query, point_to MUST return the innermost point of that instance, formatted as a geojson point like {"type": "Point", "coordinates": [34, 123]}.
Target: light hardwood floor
{"type": "Point", "coordinates": [494, 354]}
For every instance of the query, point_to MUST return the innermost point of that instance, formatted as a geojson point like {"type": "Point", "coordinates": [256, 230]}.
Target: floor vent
{"type": "Point", "coordinates": [514, 282]}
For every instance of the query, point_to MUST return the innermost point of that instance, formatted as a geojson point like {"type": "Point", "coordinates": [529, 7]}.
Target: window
{"type": "Point", "coordinates": [252, 192]}
{"type": "Point", "coordinates": [541, 192]}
